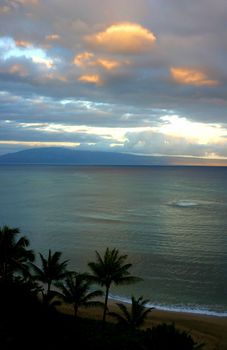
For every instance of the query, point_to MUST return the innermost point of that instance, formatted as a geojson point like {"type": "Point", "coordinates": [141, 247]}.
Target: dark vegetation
{"type": "Point", "coordinates": [29, 294]}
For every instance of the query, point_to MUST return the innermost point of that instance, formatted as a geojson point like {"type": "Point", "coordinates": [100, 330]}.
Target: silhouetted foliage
{"type": "Point", "coordinates": [52, 270]}
{"type": "Point", "coordinates": [166, 336]}
{"type": "Point", "coordinates": [76, 290]}
{"type": "Point", "coordinates": [133, 317]}
{"type": "Point", "coordinates": [26, 323]}
{"type": "Point", "coordinates": [14, 253]}
{"type": "Point", "coordinates": [111, 268]}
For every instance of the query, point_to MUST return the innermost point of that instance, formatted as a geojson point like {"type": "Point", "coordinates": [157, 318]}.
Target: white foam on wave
{"type": "Point", "coordinates": [185, 203]}
{"type": "Point", "coordinates": [173, 308]}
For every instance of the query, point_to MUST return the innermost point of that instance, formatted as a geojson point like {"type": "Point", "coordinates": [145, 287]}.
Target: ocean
{"type": "Point", "coordinates": [170, 221]}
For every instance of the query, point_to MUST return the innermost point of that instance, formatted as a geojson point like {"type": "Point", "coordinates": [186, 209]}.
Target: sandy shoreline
{"type": "Point", "coordinates": [211, 330]}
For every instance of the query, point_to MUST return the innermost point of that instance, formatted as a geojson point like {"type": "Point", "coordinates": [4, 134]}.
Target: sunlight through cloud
{"type": "Point", "coordinates": [24, 49]}
{"type": "Point", "coordinates": [191, 77]}
{"type": "Point", "coordinates": [90, 79]}
{"type": "Point", "coordinates": [88, 59]}
{"type": "Point", "coordinates": [125, 38]}
{"type": "Point", "coordinates": [193, 131]}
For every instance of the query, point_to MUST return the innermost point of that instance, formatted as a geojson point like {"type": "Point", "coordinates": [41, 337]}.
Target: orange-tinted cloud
{"type": "Point", "coordinates": [191, 77]}
{"type": "Point", "coordinates": [108, 64]}
{"type": "Point", "coordinates": [83, 59]}
{"type": "Point", "coordinates": [125, 38]}
{"type": "Point", "coordinates": [23, 43]}
{"type": "Point", "coordinates": [90, 79]}
{"type": "Point", "coordinates": [88, 59]}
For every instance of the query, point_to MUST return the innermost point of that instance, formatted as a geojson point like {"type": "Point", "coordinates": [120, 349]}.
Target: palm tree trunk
{"type": "Point", "coordinates": [48, 287]}
{"type": "Point", "coordinates": [75, 311]}
{"type": "Point", "coordinates": [105, 305]}
{"type": "Point", "coordinates": [4, 270]}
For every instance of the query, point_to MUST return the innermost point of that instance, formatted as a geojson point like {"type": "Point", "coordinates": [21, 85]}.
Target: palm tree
{"type": "Point", "coordinates": [52, 270]}
{"type": "Point", "coordinates": [135, 317]}
{"type": "Point", "coordinates": [76, 291]}
{"type": "Point", "coordinates": [111, 268]}
{"type": "Point", "coordinates": [14, 253]}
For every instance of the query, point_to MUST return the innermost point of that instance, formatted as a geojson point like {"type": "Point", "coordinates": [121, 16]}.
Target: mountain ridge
{"type": "Point", "coordinates": [67, 156]}
{"type": "Point", "coordinates": [61, 155]}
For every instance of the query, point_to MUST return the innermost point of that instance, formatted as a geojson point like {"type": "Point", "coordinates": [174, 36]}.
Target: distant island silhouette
{"type": "Point", "coordinates": [64, 156]}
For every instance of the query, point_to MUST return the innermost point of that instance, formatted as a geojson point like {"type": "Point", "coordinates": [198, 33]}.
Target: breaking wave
{"type": "Point", "coordinates": [174, 308]}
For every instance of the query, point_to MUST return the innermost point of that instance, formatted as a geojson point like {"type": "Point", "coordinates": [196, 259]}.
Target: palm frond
{"type": "Point", "coordinates": [134, 316]}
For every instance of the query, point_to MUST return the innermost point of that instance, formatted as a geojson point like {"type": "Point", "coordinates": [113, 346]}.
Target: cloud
{"type": "Point", "coordinates": [9, 5]}
{"type": "Point", "coordinates": [88, 59]}
{"type": "Point", "coordinates": [52, 37]}
{"type": "Point", "coordinates": [24, 49]}
{"type": "Point", "coordinates": [23, 43]}
{"type": "Point", "coordinates": [107, 63]}
{"type": "Point", "coordinates": [83, 59]}
{"type": "Point", "coordinates": [76, 111]}
{"type": "Point", "coordinates": [156, 143]}
{"type": "Point", "coordinates": [194, 77]}
{"type": "Point", "coordinates": [123, 38]}
{"type": "Point", "coordinates": [26, 2]}
{"type": "Point", "coordinates": [48, 62]}
{"type": "Point", "coordinates": [198, 133]}
{"type": "Point", "coordinates": [100, 64]}
{"type": "Point", "coordinates": [40, 143]}
{"type": "Point", "coordinates": [19, 70]}
{"type": "Point", "coordinates": [90, 79]}
{"type": "Point", "coordinates": [26, 135]}
{"type": "Point", "coordinates": [4, 9]}
{"type": "Point", "coordinates": [26, 70]}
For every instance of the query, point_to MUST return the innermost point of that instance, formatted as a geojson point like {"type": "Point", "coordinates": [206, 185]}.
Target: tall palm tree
{"type": "Point", "coordinates": [52, 270]}
{"type": "Point", "coordinates": [111, 268]}
{"type": "Point", "coordinates": [14, 253]}
{"type": "Point", "coordinates": [76, 291]}
{"type": "Point", "coordinates": [135, 317]}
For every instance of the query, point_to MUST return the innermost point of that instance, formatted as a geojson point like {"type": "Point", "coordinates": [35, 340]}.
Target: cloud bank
{"type": "Point", "coordinates": [136, 76]}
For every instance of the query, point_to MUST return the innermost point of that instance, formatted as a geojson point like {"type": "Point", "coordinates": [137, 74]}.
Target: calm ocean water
{"type": "Point", "coordinates": [171, 221]}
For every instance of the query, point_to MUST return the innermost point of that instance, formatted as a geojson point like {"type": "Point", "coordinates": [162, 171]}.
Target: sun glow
{"type": "Point", "coordinates": [193, 131]}
{"type": "Point", "coordinates": [40, 144]}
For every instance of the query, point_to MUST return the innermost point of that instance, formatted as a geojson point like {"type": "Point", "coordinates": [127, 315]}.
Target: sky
{"type": "Point", "coordinates": [133, 76]}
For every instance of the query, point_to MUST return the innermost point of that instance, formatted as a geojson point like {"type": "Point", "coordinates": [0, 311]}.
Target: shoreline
{"type": "Point", "coordinates": [211, 330]}
{"type": "Point", "coordinates": [193, 311]}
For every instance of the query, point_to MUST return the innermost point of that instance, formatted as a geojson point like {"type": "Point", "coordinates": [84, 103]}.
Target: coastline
{"type": "Point", "coordinates": [211, 330]}
{"type": "Point", "coordinates": [176, 309]}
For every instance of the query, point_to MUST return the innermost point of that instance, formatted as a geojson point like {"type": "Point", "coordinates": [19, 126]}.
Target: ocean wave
{"type": "Point", "coordinates": [102, 217]}
{"type": "Point", "coordinates": [197, 310]}
{"type": "Point", "coordinates": [126, 216]}
{"type": "Point", "coordinates": [185, 203]}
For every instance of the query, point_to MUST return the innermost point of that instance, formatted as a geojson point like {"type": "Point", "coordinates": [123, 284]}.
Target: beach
{"type": "Point", "coordinates": [211, 330]}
